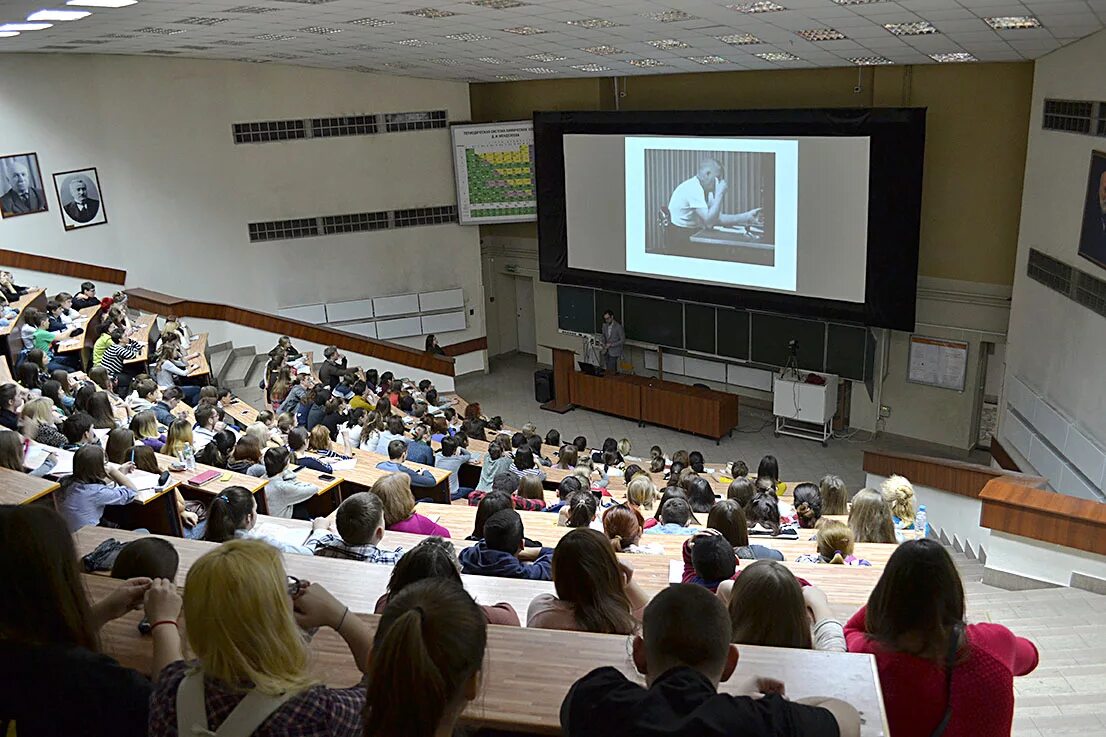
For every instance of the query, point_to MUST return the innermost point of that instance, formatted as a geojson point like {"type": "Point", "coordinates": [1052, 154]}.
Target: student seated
{"type": "Point", "coordinates": [709, 559]}
{"type": "Point", "coordinates": [700, 495]}
{"type": "Point", "coordinates": [397, 454]}
{"type": "Point", "coordinates": [245, 625]}
{"type": "Point", "coordinates": [530, 496]}
{"type": "Point", "coordinates": [595, 590]}
{"type": "Point", "coordinates": [808, 505]}
{"type": "Point", "coordinates": [769, 606]}
{"type": "Point", "coordinates": [641, 492]}
{"type": "Point", "coordinates": [524, 464]}
{"type": "Point", "coordinates": [117, 353]}
{"type": "Point", "coordinates": [898, 493]}
{"type": "Point", "coordinates": [451, 458]}
{"type": "Point", "coordinates": [835, 545]}
{"type": "Point", "coordinates": [695, 461]}
{"type": "Point", "coordinates": [359, 522]}
{"type": "Point", "coordinates": [86, 297]}
{"type": "Point", "coordinates": [91, 487]}
{"type": "Point", "coordinates": [418, 447]}
{"type": "Point", "coordinates": [435, 558]}
{"type": "Point", "coordinates": [622, 524]}
{"type": "Point", "coordinates": [835, 495]}
{"type": "Point", "coordinates": [11, 403]}
{"type": "Point", "coordinates": [728, 518]}
{"type": "Point", "coordinates": [304, 383]}
{"type": "Point", "coordinates": [675, 513]}
{"type": "Point", "coordinates": [77, 429]}
{"type": "Point", "coordinates": [568, 486]}
{"type": "Point", "coordinates": [12, 451]}
{"type": "Point", "coordinates": [682, 666]}
{"type": "Point", "coordinates": [580, 511]}
{"type": "Point", "coordinates": [395, 494]}
{"type": "Point", "coordinates": [232, 515]}
{"type": "Point", "coordinates": [768, 470]}
{"type": "Point", "coordinates": [217, 452]}
{"type": "Point", "coordinates": [57, 682]}
{"type": "Point", "coordinates": [764, 518]}
{"type": "Point", "coordinates": [146, 557]}
{"type": "Point", "coordinates": [298, 440]}
{"type": "Point", "coordinates": [914, 625]}
{"type": "Point", "coordinates": [204, 430]}
{"type": "Point", "coordinates": [502, 553]}
{"type": "Point", "coordinates": [246, 457]}
{"type": "Point", "coordinates": [870, 519]}
{"type": "Point", "coordinates": [567, 458]}
{"type": "Point", "coordinates": [284, 491]}
{"type": "Point", "coordinates": [145, 429]}
{"type": "Point", "coordinates": [39, 414]}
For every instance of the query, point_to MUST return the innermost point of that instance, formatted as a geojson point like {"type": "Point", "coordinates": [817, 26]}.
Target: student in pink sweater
{"type": "Point", "coordinates": [913, 622]}
{"type": "Point", "coordinates": [395, 494]}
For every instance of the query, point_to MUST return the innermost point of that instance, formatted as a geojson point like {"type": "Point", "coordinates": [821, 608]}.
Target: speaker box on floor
{"type": "Point", "coordinates": [543, 385]}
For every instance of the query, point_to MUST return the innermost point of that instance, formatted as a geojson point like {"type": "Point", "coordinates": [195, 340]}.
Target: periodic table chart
{"type": "Point", "coordinates": [494, 168]}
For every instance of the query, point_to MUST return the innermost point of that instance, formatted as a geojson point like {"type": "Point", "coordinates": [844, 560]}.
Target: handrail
{"type": "Point", "coordinates": [151, 301]}
{"type": "Point", "coordinates": [62, 267]}
{"type": "Point", "coordinates": [1043, 515]}
{"type": "Point", "coordinates": [957, 477]}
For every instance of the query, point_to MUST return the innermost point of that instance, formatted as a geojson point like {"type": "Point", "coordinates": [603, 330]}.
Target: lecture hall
{"type": "Point", "coordinates": [520, 367]}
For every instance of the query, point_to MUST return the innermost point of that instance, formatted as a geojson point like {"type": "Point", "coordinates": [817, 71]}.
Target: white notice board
{"type": "Point", "coordinates": [938, 362]}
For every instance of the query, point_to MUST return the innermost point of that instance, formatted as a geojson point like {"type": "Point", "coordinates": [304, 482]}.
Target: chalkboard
{"type": "Point", "coordinates": [657, 321]}
{"type": "Point", "coordinates": [699, 328]}
{"type": "Point", "coordinates": [604, 301]}
{"type": "Point", "coordinates": [845, 351]}
{"type": "Point", "coordinates": [772, 333]}
{"type": "Point", "coordinates": [870, 364]}
{"type": "Point", "coordinates": [575, 309]}
{"type": "Point", "coordinates": [733, 333]}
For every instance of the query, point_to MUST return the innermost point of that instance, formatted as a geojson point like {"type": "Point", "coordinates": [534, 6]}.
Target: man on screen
{"type": "Point", "coordinates": [696, 203]}
{"type": "Point", "coordinates": [613, 339]}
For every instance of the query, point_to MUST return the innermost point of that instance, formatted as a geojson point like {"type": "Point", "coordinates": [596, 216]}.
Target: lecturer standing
{"type": "Point", "coordinates": [614, 337]}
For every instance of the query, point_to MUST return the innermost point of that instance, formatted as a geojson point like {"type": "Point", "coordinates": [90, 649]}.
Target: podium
{"type": "Point", "coordinates": [564, 362]}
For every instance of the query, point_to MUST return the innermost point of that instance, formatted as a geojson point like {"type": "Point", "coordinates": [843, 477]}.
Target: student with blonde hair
{"type": "Point", "coordinates": [395, 494]}
{"type": "Point", "coordinates": [38, 414]}
{"type": "Point", "coordinates": [179, 435]}
{"type": "Point", "coordinates": [898, 492]}
{"type": "Point", "coordinates": [252, 662]}
{"type": "Point", "coordinates": [870, 518]}
{"type": "Point", "coordinates": [835, 495]}
{"type": "Point", "coordinates": [641, 492]}
{"type": "Point", "coordinates": [835, 545]}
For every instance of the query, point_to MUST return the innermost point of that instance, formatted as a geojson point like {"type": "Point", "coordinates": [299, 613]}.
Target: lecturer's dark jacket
{"type": "Point", "coordinates": [91, 210]}
{"type": "Point", "coordinates": [12, 204]}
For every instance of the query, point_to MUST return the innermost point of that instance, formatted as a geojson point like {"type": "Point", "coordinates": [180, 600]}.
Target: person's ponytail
{"type": "Point", "coordinates": [227, 513]}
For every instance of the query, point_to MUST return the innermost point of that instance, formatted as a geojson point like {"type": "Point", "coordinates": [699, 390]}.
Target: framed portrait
{"type": "Point", "coordinates": [21, 185]}
{"type": "Point", "coordinates": [80, 197]}
{"type": "Point", "coordinates": [1092, 237]}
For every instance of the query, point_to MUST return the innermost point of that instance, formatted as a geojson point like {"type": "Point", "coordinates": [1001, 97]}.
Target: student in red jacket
{"type": "Point", "coordinates": [913, 622]}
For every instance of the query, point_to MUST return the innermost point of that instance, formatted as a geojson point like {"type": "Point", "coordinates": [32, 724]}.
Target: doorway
{"type": "Point", "coordinates": [524, 313]}
{"type": "Point", "coordinates": [992, 358]}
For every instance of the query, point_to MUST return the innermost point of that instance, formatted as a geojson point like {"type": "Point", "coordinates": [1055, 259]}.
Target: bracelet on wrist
{"type": "Point", "coordinates": [164, 621]}
{"type": "Point", "coordinates": [342, 620]}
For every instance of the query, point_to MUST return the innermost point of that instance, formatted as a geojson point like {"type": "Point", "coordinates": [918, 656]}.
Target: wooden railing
{"type": "Point", "coordinates": [164, 304]}
{"type": "Point", "coordinates": [957, 477]}
{"type": "Point", "coordinates": [1012, 507]}
{"type": "Point", "coordinates": [62, 267]}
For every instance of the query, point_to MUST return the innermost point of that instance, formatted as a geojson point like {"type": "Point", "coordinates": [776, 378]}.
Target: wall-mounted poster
{"type": "Point", "coordinates": [82, 201]}
{"type": "Point", "coordinates": [1092, 239]}
{"type": "Point", "coordinates": [494, 167]}
{"type": "Point", "coordinates": [21, 184]}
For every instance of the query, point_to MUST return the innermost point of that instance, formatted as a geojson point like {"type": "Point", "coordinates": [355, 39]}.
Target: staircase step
{"type": "Point", "coordinates": [235, 371]}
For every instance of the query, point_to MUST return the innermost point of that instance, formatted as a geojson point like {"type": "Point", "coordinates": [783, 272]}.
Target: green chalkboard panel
{"type": "Point", "coordinates": [575, 309]}
{"type": "Point", "coordinates": [733, 333]}
{"type": "Point", "coordinates": [604, 301]}
{"type": "Point", "coordinates": [772, 333]}
{"type": "Point", "coordinates": [699, 328]}
{"type": "Point", "coordinates": [657, 321]}
{"type": "Point", "coordinates": [845, 351]}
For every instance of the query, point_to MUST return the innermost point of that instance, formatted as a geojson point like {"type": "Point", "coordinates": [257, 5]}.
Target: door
{"type": "Point", "coordinates": [524, 308]}
{"type": "Point", "coordinates": [506, 310]}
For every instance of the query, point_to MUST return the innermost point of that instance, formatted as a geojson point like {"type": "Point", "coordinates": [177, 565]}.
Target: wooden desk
{"type": "Point", "coordinates": [5, 371]}
{"type": "Point", "coordinates": [517, 694]}
{"type": "Point", "coordinates": [199, 345]}
{"type": "Point", "coordinates": [142, 326]}
{"type": "Point", "coordinates": [90, 323]}
{"type": "Point", "coordinates": [242, 413]}
{"type": "Point", "coordinates": [21, 488]}
{"type": "Point", "coordinates": [216, 486]}
{"type": "Point", "coordinates": [366, 474]}
{"type": "Point", "coordinates": [11, 342]}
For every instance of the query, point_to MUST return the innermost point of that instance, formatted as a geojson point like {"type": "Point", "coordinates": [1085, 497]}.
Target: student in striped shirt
{"type": "Point", "coordinates": [118, 352]}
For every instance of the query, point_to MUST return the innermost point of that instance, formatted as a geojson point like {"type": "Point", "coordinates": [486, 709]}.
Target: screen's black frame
{"type": "Point", "coordinates": [896, 155]}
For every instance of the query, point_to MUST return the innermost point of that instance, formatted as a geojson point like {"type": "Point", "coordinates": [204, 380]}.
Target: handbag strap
{"type": "Point", "coordinates": [950, 663]}
{"type": "Point", "coordinates": [242, 721]}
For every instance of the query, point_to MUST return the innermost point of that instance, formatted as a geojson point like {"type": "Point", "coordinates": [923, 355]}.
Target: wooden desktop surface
{"type": "Point", "coordinates": [200, 365]}
{"type": "Point", "coordinates": [86, 323]}
{"type": "Point", "coordinates": [17, 487]}
{"type": "Point", "coordinates": [528, 672]}
{"type": "Point", "coordinates": [21, 304]}
{"type": "Point", "coordinates": [142, 326]}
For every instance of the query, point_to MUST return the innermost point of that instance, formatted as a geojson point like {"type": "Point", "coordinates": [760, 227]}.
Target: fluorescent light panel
{"type": "Point", "coordinates": [58, 15]}
{"type": "Point", "coordinates": [102, 3]}
{"type": "Point", "coordinates": [25, 27]}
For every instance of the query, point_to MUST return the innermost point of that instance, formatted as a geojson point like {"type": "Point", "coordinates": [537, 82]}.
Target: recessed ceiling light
{"type": "Point", "coordinates": [413, 42]}
{"type": "Point", "coordinates": [274, 37]}
{"type": "Point", "coordinates": [820, 34]}
{"type": "Point", "coordinates": [58, 15]}
{"type": "Point", "coordinates": [251, 9]}
{"type": "Point", "coordinates": [953, 56]}
{"type": "Point", "coordinates": [870, 61]}
{"type": "Point", "coordinates": [160, 31]}
{"type": "Point", "coordinates": [26, 26]}
{"type": "Point", "coordinates": [711, 59]}
{"type": "Point", "coordinates": [508, 77]}
{"type": "Point", "coordinates": [8, 34]}
{"type": "Point", "coordinates": [603, 50]}
{"type": "Point", "coordinates": [429, 13]}
{"type": "Point", "coordinates": [591, 67]}
{"type": "Point", "coordinates": [856, 2]}
{"type": "Point", "coordinates": [539, 70]}
{"type": "Point", "coordinates": [777, 56]}
{"type": "Point", "coordinates": [645, 63]}
{"type": "Point", "coordinates": [524, 30]}
{"type": "Point", "coordinates": [668, 44]}
{"type": "Point", "coordinates": [201, 21]}
{"type": "Point", "coordinates": [490, 60]}
{"type": "Point", "coordinates": [592, 23]}
{"type": "Point", "coordinates": [911, 28]}
{"type": "Point", "coordinates": [320, 30]}
{"type": "Point", "coordinates": [1012, 22]}
{"type": "Point", "coordinates": [670, 16]}
{"type": "Point", "coordinates": [445, 62]}
{"type": "Point", "coordinates": [372, 22]}
{"type": "Point", "coordinates": [761, 6]}
{"type": "Point", "coordinates": [739, 39]}
{"type": "Point", "coordinates": [546, 56]}
{"type": "Point", "coordinates": [466, 37]}
{"type": "Point", "coordinates": [102, 3]}
{"type": "Point", "coordinates": [496, 4]}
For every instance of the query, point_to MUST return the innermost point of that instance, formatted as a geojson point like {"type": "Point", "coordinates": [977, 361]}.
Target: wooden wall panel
{"type": "Point", "coordinates": [957, 477]}
{"type": "Point", "coordinates": [1014, 508]}
{"type": "Point", "coordinates": [75, 269]}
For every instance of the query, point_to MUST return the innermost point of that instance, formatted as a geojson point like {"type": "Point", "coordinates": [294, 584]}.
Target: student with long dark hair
{"type": "Point", "coordinates": [769, 468]}
{"type": "Point", "coordinates": [763, 514]}
{"type": "Point", "coordinates": [728, 518]}
{"type": "Point", "coordinates": [232, 515]}
{"type": "Point", "coordinates": [808, 505]}
{"type": "Point", "coordinates": [915, 626]}
{"type": "Point", "coordinates": [835, 495]}
{"type": "Point", "coordinates": [595, 591]}
{"type": "Point", "coordinates": [57, 682]}
{"type": "Point", "coordinates": [86, 492]}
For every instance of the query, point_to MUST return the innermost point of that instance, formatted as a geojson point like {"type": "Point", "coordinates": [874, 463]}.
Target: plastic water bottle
{"type": "Point", "coordinates": [921, 525]}
{"type": "Point", "coordinates": [189, 457]}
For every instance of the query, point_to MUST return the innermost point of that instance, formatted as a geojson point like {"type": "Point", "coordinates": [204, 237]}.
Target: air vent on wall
{"type": "Point", "coordinates": [269, 130]}
{"type": "Point", "coordinates": [397, 122]}
{"type": "Point", "coordinates": [278, 230]}
{"type": "Point", "coordinates": [1072, 116]}
{"type": "Point", "coordinates": [356, 223]}
{"type": "Point", "coordinates": [353, 125]}
{"type": "Point", "coordinates": [345, 125]}
{"type": "Point", "coordinates": [1053, 273]}
{"type": "Point", "coordinates": [352, 223]}
{"type": "Point", "coordinates": [1090, 291]}
{"type": "Point", "coordinates": [426, 216]}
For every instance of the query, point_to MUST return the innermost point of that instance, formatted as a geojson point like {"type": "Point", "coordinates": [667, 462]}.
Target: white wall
{"type": "Point", "coordinates": [179, 194]}
{"type": "Point", "coordinates": [1056, 346]}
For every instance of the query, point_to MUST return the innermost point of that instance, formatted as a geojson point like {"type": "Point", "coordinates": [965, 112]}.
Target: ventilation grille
{"type": "Point", "coordinates": [1090, 291]}
{"type": "Point", "coordinates": [1071, 116]}
{"type": "Point", "coordinates": [1054, 274]}
{"type": "Point", "coordinates": [368, 124]}
{"type": "Point", "coordinates": [361, 222]}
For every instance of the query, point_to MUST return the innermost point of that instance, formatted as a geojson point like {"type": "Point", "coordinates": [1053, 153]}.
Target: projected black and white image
{"type": "Point", "coordinates": [711, 204]}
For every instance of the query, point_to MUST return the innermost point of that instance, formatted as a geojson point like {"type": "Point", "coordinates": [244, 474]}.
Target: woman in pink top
{"type": "Point", "coordinates": [595, 591]}
{"type": "Point", "coordinates": [913, 621]}
{"type": "Point", "coordinates": [395, 494]}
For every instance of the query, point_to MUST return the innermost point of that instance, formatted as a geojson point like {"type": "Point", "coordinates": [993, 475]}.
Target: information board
{"type": "Point", "coordinates": [494, 167]}
{"type": "Point", "coordinates": [938, 362]}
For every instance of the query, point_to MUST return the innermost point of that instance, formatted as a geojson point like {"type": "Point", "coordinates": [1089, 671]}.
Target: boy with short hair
{"type": "Point", "coordinates": [359, 521]}
{"type": "Point", "coordinates": [683, 666]}
{"type": "Point", "coordinates": [675, 515]}
{"type": "Point", "coordinates": [502, 552]}
{"type": "Point", "coordinates": [147, 557]}
{"type": "Point", "coordinates": [450, 458]}
{"type": "Point", "coordinates": [86, 297]}
{"type": "Point", "coordinates": [397, 454]}
{"type": "Point", "coordinates": [711, 560]}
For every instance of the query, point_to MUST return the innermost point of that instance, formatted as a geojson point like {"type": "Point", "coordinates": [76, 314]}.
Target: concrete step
{"type": "Point", "coordinates": [256, 371]}
{"type": "Point", "coordinates": [236, 371]}
{"type": "Point", "coordinates": [217, 357]}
